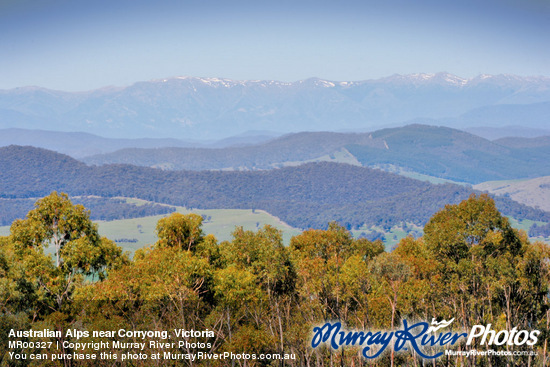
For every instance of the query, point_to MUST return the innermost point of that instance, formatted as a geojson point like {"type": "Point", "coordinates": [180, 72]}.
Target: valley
{"type": "Point", "coordinates": [369, 202]}
{"type": "Point", "coordinates": [407, 146]}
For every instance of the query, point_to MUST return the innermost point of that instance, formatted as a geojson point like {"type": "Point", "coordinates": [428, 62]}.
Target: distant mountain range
{"type": "Point", "coordinates": [438, 152]}
{"type": "Point", "coordinates": [78, 144]}
{"type": "Point", "coordinates": [434, 151]}
{"type": "Point", "coordinates": [493, 133]}
{"type": "Point", "coordinates": [188, 108]}
{"type": "Point", "coordinates": [306, 196]}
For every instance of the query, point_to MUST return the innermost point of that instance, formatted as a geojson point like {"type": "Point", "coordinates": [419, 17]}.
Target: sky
{"type": "Point", "coordinates": [78, 45]}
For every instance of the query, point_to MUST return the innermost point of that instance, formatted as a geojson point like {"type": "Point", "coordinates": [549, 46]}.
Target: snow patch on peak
{"type": "Point", "coordinates": [417, 79]}
{"type": "Point", "coordinates": [452, 79]}
{"type": "Point", "coordinates": [421, 76]}
{"type": "Point", "coordinates": [213, 80]}
{"type": "Point", "coordinates": [325, 83]}
{"type": "Point", "coordinates": [424, 78]}
{"type": "Point", "coordinates": [317, 82]}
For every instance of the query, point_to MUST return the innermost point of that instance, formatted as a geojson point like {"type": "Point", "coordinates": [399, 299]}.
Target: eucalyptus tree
{"type": "Point", "coordinates": [79, 251]}
{"type": "Point", "coordinates": [492, 273]}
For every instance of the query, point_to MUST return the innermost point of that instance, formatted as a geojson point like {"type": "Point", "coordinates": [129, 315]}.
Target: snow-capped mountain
{"type": "Point", "coordinates": [213, 108]}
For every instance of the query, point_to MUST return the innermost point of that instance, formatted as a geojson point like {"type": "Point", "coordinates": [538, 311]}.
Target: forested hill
{"type": "Point", "coordinates": [435, 151]}
{"type": "Point", "coordinates": [306, 196]}
{"type": "Point", "coordinates": [288, 148]}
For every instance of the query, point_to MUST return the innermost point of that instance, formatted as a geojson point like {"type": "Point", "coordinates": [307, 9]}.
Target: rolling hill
{"type": "Point", "coordinates": [453, 154]}
{"type": "Point", "coordinates": [429, 150]}
{"type": "Point", "coordinates": [275, 153]}
{"type": "Point", "coordinates": [78, 144]}
{"type": "Point", "coordinates": [305, 196]}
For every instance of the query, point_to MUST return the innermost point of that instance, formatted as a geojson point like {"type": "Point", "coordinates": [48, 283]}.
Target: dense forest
{"type": "Point", "coordinates": [258, 296]}
{"type": "Point", "coordinates": [307, 196]}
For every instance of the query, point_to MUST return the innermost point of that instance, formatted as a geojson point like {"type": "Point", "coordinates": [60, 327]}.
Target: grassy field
{"type": "Point", "coordinates": [132, 234]}
{"type": "Point", "coordinates": [339, 156]}
{"type": "Point", "coordinates": [392, 237]}
{"type": "Point", "coordinates": [496, 185]}
{"type": "Point", "coordinates": [414, 175]}
{"type": "Point", "coordinates": [534, 192]}
{"type": "Point", "coordinates": [525, 224]}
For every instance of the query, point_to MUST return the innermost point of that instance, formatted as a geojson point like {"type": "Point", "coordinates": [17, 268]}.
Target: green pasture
{"type": "Point", "coordinates": [132, 234]}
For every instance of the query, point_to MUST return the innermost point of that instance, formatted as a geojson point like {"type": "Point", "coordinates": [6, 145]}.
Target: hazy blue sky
{"type": "Point", "coordinates": [86, 44]}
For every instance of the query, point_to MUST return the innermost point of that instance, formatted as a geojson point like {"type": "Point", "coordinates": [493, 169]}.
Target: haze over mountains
{"type": "Point", "coordinates": [188, 108]}
{"type": "Point", "coordinates": [433, 151]}
{"type": "Point", "coordinates": [78, 144]}
{"type": "Point", "coordinates": [440, 127]}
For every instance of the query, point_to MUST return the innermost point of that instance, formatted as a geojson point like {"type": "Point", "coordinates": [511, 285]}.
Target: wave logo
{"type": "Point", "coordinates": [419, 336]}
{"type": "Point", "coordinates": [439, 325]}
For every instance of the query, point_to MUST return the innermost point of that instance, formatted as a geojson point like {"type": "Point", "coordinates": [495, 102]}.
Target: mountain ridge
{"type": "Point", "coordinates": [307, 196]}
{"type": "Point", "coordinates": [440, 77]}
{"type": "Point", "coordinates": [82, 144]}
{"type": "Point", "coordinates": [205, 108]}
{"type": "Point", "coordinates": [440, 152]}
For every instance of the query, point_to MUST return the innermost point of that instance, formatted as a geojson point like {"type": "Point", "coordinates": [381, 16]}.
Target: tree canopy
{"type": "Point", "coordinates": [259, 296]}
